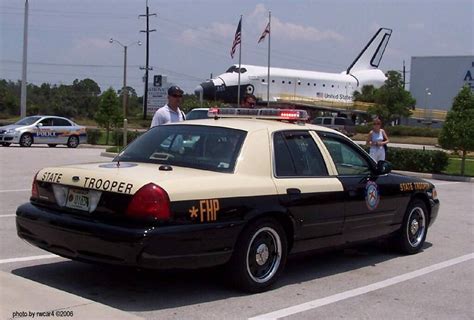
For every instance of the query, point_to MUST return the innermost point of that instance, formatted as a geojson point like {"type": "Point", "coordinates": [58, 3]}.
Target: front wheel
{"type": "Point", "coordinates": [73, 142]}
{"type": "Point", "coordinates": [26, 140]}
{"type": "Point", "coordinates": [411, 236]}
{"type": "Point", "coordinates": [259, 256]}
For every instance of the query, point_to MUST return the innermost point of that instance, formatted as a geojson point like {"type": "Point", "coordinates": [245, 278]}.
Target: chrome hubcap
{"type": "Point", "coordinates": [262, 254]}
{"type": "Point", "coordinates": [416, 227]}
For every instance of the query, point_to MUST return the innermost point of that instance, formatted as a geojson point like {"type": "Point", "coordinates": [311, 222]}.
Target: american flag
{"type": "Point", "coordinates": [265, 32]}
{"type": "Point", "coordinates": [236, 42]}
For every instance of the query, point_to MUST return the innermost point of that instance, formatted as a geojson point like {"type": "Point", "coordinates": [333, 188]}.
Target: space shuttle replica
{"type": "Point", "coordinates": [301, 87]}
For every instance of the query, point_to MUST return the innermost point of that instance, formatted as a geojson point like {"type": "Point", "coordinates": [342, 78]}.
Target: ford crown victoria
{"type": "Point", "coordinates": [48, 130]}
{"type": "Point", "coordinates": [242, 192]}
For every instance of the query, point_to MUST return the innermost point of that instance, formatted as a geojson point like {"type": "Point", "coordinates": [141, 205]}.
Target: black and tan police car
{"type": "Point", "coordinates": [237, 189]}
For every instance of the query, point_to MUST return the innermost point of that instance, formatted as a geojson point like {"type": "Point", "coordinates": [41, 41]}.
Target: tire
{"type": "Point", "coordinates": [52, 145]}
{"type": "Point", "coordinates": [411, 236]}
{"type": "Point", "coordinates": [6, 144]}
{"type": "Point", "coordinates": [26, 140]}
{"type": "Point", "coordinates": [259, 256]}
{"type": "Point", "coordinates": [73, 142]}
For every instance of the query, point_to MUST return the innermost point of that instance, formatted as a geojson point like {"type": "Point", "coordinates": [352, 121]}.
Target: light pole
{"type": "Point", "coordinates": [427, 94]}
{"type": "Point", "coordinates": [124, 89]}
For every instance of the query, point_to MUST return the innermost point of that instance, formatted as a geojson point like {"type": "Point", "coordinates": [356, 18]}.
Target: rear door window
{"type": "Point", "coordinates": [327, 121]}
{"type": "Point", "coordinates": [297, 155]}
{"type": "Point", "coordinates": [57, 122]}
{"type": "Point", "coordinates": [339, 121]}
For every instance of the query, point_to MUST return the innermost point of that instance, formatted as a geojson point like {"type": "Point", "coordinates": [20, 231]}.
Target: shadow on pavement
{"type": "Point", "coordinates": [147, 290]}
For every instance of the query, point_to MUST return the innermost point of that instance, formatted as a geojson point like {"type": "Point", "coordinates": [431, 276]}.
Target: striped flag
{"type": "Point", "coordinates": [236, 42]}
{"type": "Point", "coordinates": [265, 32]}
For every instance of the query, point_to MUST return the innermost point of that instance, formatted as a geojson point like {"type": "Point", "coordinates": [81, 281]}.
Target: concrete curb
{"type": "Point", "coordinates": [108, 154]}
{"type": "Point", "coordinates": [22, 298]}
{"type": "Point", "coordinates": [93, 146]}
{"type": "Point", "coordinates": [435, 176]}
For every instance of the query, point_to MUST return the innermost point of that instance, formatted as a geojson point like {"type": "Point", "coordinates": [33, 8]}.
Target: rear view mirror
{"type": "Point", "coordinates": [383, 167]}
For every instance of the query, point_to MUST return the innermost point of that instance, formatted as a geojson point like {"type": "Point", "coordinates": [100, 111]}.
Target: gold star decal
{"type": "Point", "coordinates": [193, 211]}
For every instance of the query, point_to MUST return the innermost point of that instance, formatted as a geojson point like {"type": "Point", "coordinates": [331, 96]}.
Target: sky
{"type": "Point", "coordinates": [69, 39]}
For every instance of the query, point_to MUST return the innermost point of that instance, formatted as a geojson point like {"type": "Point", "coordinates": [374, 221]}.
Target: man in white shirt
{"type": "Point", "coordinates": [170, 112]}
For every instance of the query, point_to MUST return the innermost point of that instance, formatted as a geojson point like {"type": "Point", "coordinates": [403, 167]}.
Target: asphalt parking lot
{"type": "Point", "coordinates": [365, 282]}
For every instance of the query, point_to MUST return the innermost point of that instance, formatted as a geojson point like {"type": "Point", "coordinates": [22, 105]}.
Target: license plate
{"type": "Point", "coordinates": [78, 199]}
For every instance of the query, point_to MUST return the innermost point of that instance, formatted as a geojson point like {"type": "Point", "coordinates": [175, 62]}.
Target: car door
{"type": "Point", "coordinates": [369, 201]}
{"type": "Point", "coordinates": [62, 129]}
{"type": "Point", "coordinates": [44, 131]}
{"type": "Point", "coordinates": [312, 196]}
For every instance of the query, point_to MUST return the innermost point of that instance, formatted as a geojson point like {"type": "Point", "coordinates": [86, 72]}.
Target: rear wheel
{"type": "Point", "coordinates": [411, 236]}
{"type": "Point", "coordinates": [73, 142]}
{"type": "Point", "coordinates": [259, 256]}
{"type": "Point", "coordinates": [6, 144]}
{"type": "Point", "coordinates": [26, 140]}
{"type": "Point", "coordinates": [52, 145]}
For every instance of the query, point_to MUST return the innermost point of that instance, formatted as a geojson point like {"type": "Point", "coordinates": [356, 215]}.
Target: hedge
{"type": "Point", "coordinates": [403, 131]}
{"type": "Point", "coordinates": [93, 135]}
{"type": "Point", "coordinates": [117, 136]}
{"type": "Point", "coordinates": [431, 161]}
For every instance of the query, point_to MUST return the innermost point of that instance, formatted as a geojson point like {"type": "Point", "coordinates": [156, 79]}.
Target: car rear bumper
{"type": "Point", "coordinates": [168, 247]}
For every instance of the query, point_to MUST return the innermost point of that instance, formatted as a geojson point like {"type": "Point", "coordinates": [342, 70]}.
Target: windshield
{"type": "Point", "coordinates": [200, 147]}
{"type": "Point", "coordinates": [27, 121]}
{"type": "Point", "coordinates": [197, 114]}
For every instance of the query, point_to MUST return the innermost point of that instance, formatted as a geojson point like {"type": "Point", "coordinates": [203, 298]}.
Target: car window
{"type": "Point", "coordinates": [27, 121]}
{"type": "Point", "coordinates": [339, 121]}
{"type": "Point", "coordinates": [197, 114]}
{"type": "Point", "coordinates": [348, 122]}
{"type": "Point", "coordinates": [61, 122]}
{"type": "Point", "coordinates": [327, 121]}
{"type": "Point", "coordinates": [347, 159]}
{"type": "Point", "coordinates": [47, 122]}
{"type": "Point", "coordinates": [297, 155]}
{"type": "Point", "coordinates": [318, 121]}
{"type": "Point", "coordinates": [200, 147]}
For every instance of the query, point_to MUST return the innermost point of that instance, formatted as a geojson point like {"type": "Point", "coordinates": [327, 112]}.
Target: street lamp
{"type": "Point", "coordinates": [427, 94]}
{"type": "Point", "coordinates": [124, 89]}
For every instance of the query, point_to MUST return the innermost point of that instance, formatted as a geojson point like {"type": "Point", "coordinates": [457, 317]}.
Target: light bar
{"type": "Point", "coordinates": [275, 114]}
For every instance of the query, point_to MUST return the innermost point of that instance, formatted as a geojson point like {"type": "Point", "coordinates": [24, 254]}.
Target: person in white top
{"type": "Point", "coordinates": [377, 139]}
{"type": "Point", "coordinates": [170, 112]}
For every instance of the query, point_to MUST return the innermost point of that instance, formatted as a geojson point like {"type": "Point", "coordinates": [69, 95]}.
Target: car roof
{"type": "Point", "coordinates": [249, 124]}
{"type": "Point", "coordinates": [199, 109]}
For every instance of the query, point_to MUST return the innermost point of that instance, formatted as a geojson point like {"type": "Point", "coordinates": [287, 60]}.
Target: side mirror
{"type": "Point", "coordinates": [383, 167]}
{"type": "Point", "coordinates": [39, 125]}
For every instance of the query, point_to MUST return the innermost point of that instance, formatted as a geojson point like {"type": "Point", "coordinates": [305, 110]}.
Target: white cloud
{"type": "Point", "coordinates": [214, 31]}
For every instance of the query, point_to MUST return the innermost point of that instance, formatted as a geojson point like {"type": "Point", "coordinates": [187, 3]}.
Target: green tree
{"type": "Point", "coordinates": [458, 129]}
{"type": "Point", "coordinates": [392, 101]}
{"type": "Point", "coordinates": [367, 94]}
{"type": "Point", "coordinates": [109, 114]}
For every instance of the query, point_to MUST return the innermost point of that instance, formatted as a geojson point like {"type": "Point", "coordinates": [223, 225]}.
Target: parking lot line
{"type": "Point", "coordinates": [30, 258]}
{"type": "Point", "coordinates": [7, 215]}
{"type": "Point", "coordinates": [14, 190]}
{"type": "Point", "coordinates": [361, 290]}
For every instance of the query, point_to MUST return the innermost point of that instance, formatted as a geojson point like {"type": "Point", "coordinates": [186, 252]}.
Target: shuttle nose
{"type": "Point", "coordinates": [207, 89]}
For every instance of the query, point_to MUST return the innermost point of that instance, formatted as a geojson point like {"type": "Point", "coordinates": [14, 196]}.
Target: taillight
{"type": "Point", "coordinates": [150, 201]}
{"type": "Point", "coordinates": [34, 188]}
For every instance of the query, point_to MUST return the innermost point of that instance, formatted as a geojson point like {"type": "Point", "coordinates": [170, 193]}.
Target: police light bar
{"type": "Point", "coordinates": [275, 114]}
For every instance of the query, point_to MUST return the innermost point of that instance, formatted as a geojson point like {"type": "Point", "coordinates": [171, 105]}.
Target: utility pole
{"type": "Point", "coordinates": [404, 72]}
{"type": "Point", "coordinates": [25, 58]}
{"type": "Point", "coordinates": [147, 68]}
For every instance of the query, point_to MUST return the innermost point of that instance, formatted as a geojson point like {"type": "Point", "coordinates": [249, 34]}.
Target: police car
{"type": "Point", "coordinates": [237, 189]}
{"type": "Point", "coordinates": [48, 130]}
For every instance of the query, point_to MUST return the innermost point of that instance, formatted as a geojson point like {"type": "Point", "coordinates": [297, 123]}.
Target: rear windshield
{"type": "Point", "coordinates": [200, 147]}
{"type": "Point", "coordinates": [27, 121]}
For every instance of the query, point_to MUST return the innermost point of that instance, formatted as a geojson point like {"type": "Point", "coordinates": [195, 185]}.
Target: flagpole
{"type": "Point", "coordinates": [269, 36]}
{"type": "Point", "coordinates": [240, 60]}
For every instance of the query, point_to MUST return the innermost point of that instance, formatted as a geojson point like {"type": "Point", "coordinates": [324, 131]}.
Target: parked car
{"type": "Point", "coordinates": [49, 130]}
{"type": "Point", "coordinates": [244, 192]}
{"type": "Point", "coordinates": [340, 124]}
{"type": "Point", "coordinates": [197, 113]}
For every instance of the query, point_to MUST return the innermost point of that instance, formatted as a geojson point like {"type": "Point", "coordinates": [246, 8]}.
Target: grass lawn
{"type": "Point", "coordinates": [454, 167]}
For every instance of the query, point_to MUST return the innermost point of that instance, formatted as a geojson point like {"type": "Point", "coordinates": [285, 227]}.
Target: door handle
{"type": "Point", "coordinates": [293, 191]}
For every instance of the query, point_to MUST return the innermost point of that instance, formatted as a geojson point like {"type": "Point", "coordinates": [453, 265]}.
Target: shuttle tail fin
{"type": "Point", "coordinates": [371, 55]}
